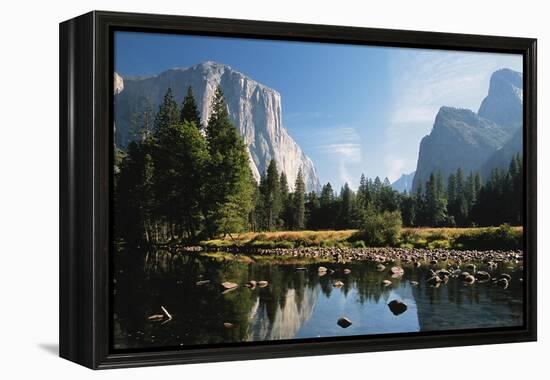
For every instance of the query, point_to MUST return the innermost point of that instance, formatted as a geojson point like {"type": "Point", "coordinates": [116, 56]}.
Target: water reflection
{"type": "Point", "coordinates": [296, 303]}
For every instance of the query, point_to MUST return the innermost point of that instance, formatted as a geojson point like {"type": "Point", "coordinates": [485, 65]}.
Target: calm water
{"type": "Point", "coordinates": [295, 304]}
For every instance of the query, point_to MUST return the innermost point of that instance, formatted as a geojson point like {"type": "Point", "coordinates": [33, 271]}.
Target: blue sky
{"type": "Point", "coordinates": [352, 109]}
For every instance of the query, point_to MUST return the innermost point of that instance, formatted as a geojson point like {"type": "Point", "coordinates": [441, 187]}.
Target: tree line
{"type": "Point", "coordinates": [466, 201]}
{"type": "Point", "coordinates": [180, 179]}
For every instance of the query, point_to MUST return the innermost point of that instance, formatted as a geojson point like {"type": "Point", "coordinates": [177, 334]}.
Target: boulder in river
{"type": "Point", "coordinates": [386, 282]}
{"type": "Point", "coordinates": [347, 271]}
{"type": "Point", "coordinates": [469, 279]}
{"type": "Point", "coordinates": [262, 284]}
{"type": "Point", "coordinates": [397, 271]}
{"type": "Point", "coordinates": [228, 325]}
{"type": "Point", "coordinates": [483, 276]}
{"type": "Point", "coordinates": [202, 282]}
{"type": "Point", "coordinates": [251, 284]}
{"type": "Point", "coordinates": [462, 276]}
{"type": "Point", "coordinates": [380, 267]}
{"type": "Point", "coordinates": [443, 274]}
{"type": "Point", "coordinates": [322, 270]}
{"type": "Point", "coordinates": [397, 307]}
{"type": "Point", "coordinates": [344, 322]}
{"type": "Point", "coordinates": [338, 284]}
{"type": "Point", "coordinates": [503, 282]}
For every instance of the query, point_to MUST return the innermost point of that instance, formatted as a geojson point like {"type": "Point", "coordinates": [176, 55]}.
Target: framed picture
{"type": "Point", "coordinates": [236, 189]}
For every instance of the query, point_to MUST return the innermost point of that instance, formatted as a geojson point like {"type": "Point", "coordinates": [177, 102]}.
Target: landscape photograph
{"type": "Point", "coordinates": [269, 190]}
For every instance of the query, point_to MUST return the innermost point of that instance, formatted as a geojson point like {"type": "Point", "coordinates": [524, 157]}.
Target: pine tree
{"type": "Point", "coordinates": [408, 209]}
{"type": "Point", "coordinates": [326, 207]}
{"type": "Point", "coordinates": [133, 196]}
{"type": "Point", "coordinates": [167, 114]}
{"type": "Point", "coordinates": [363, 193]}
{"type": "Point", "coordinates": [451, 188]}
{"type": "Point", "coordinates": [271, 192]}
{"type": "Point", "coordinates": [388, 199]}
{"type": "Point", "coordinates": [165, 147]}
{"type": "Point", "coordinates": [190, 160]}
{"type": "Point", "coordinates": [189, 109]}
{"type": "Point", "coordinates": [228, 194]}
{"type": "Point", "coordinates": [345, 209]}
{"type": "Point", "coordinates": [312, 210]}
{"type": "Point", "coordinates": [141, 121]}
{"type": "Point", "coordinates": [459, 205]}
{"type": "Point", "coordinates": [298, 202]}
{"type": "Point", "coordinates": [420, 206]}
{"type": "Point", "coordinates": [286, 202]}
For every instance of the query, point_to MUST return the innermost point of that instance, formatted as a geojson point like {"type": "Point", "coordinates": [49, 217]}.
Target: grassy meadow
{"type": "Point", "coordinates": [480, 238]}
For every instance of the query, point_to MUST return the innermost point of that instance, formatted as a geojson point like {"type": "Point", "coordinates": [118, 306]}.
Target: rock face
{"type": "Point", "coordinates": [118, 84]}
{"type": "Point", "coordinates": [501, 158]}
{"type": "Point", "coordinates": [404, 183]}
{"type": "Point", "coordinates": [254, 109]}
{"type": "Point", "coordinates": [504, 103]}
{"type": "Point", "coordinates": [475, 141]}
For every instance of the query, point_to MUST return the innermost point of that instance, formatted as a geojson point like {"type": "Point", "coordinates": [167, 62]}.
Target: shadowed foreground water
{"type": "Point", "coordinates": [296, 303]}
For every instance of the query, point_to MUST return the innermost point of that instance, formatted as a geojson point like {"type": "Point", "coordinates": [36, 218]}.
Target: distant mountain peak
{"type": "Point", "coordinates": [475, 141]}
{"type": "Point", "coordinates": [404, 183]}
{"type": "Point", "coordinates": [504, 101]}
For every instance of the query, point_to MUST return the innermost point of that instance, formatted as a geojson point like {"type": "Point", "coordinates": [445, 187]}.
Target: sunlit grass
{"type": "Point", "coordinates": [425, 237]}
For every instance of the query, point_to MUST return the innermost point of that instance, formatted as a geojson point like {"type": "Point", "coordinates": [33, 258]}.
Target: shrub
{"type": "Point", "coordinates": [410, 236]}
{"type": "Point", "coordinates": [443, 244]}
{"type": "Point", "coordinates": [380, 229]}
{"type": "Point", "coordinates": [326, 243]}
{"type": "Point", "coordinates": [359, 244]}
{"type": "Point", "coordinates": [503, 237]}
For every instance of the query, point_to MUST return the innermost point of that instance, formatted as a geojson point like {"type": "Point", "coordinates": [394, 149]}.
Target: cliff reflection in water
{"type": "Point", "coordinates": [296, 303]}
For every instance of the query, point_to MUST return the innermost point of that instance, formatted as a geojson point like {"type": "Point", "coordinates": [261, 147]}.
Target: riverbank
{"type": "Point", "coordinates": [415, 256]}
{"type": "Point", "coordinates": [475, 238]}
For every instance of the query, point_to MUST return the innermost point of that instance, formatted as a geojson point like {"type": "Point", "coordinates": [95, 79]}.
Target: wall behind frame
{"type": "Point", "coordinates": [29, 191]}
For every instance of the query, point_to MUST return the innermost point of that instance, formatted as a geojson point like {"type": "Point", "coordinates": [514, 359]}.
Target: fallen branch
{"type": "Point", "coordinates": [167, 315]}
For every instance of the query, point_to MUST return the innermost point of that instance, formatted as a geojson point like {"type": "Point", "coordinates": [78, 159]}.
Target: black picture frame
{"type": "Point", "coordinates": [86, 98]}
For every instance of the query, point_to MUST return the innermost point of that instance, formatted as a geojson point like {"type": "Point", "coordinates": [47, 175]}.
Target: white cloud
{"type": "Point", "coordinates": [342, 144]}
{"type": "Point", "coordinates": [396, 166]}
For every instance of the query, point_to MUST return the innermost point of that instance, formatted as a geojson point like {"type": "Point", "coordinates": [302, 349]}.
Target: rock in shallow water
{"type": "Point", "coordinates": [397, 271]}
{"type": "Point", "coordinates": [397, 307]}
{"type": "Point", "coordinates": [344, 322]}
{"type": "Point", "coordinates": [469, 279]}
{"type": "Point", "coordinates": [483, 276]}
